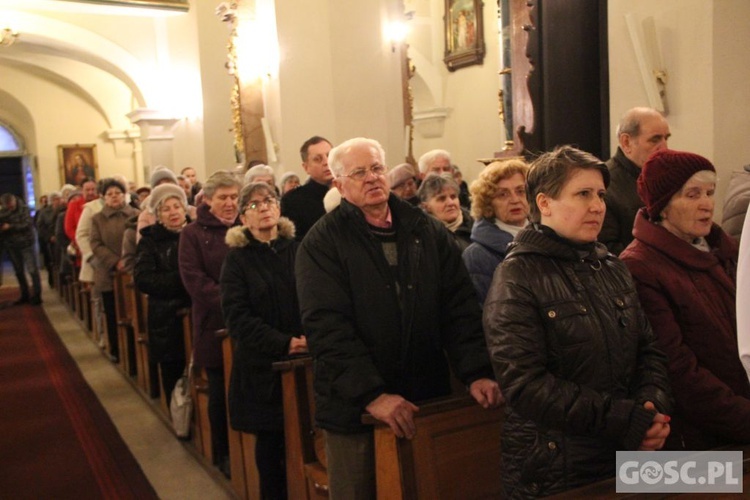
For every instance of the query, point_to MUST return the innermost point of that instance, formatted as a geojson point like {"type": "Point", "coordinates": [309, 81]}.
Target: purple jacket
{"type": "Point", "coordinates": [689, 298]}
{"type": "Point", "coordinates": [201, 254]}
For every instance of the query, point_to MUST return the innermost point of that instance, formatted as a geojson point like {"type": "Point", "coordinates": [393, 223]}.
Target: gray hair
{"type": "Point", "coordinates": [430, 156]}
{"type": "Point", "coordinates": [250, 189]}
{"type": "Point", "coordinates": [434, 184]}
{"type": "Point", "coordinates": [630, 123]}
{"type": "Point", "coordinates": [337, 154]}
{"type": "Point", "coordinates": [219, 179]}
{"type": "Point", "coordinates": [257, 171]}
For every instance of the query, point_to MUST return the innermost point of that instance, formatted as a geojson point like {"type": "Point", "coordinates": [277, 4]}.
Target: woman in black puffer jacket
{"type": "Point", "coordinates": [259, 301]}
{"type": "Point", "coordinates": [571, 347]}
{"type": "Point", "coordinates": [157, 274]}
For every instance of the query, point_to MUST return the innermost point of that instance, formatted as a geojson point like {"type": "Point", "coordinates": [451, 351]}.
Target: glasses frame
{"type": "Point", "coordinates": [255, 206]}
{"type": "Point", "coordinates": [360, 174]}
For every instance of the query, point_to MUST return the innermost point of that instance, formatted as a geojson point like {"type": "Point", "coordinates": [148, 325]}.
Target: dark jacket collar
{"type": "Point", "coordinates": [405, 216]}
{"type": "Point", "coordinates": [625, 163]}
{"type": "Point", "coordinates": [206, 218]}
{"type": "Point", "coordinates": [538, 239]}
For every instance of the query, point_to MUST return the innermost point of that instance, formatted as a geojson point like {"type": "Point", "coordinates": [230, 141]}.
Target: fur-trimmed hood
{"type": "Point", "coordinates": [239, 236]}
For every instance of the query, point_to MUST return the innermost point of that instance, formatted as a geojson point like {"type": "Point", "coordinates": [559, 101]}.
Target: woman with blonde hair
{"type": "Point", "coordinates": [500, 208]}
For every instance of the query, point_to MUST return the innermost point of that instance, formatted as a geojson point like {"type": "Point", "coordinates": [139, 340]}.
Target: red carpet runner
{"type": "Point", "coordinates": [56, 439]}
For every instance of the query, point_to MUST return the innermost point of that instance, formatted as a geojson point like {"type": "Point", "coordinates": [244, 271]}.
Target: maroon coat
{"type": "Point", "coordinates": [201, 254]}
{"type": "Point", "coordinates": [689, 298]}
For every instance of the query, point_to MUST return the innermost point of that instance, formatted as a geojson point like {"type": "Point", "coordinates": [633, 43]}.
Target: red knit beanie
{"type": "Point", "coordinates": [664, 174]}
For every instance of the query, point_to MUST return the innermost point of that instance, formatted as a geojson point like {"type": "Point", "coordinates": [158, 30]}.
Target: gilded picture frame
{"type": "Point", "coordinates": [77, 162]}
{"type": "Point", "coordinates": [464, 33]}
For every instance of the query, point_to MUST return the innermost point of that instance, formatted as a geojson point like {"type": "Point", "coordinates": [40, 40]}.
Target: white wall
{"type": "Point", "coordinates": [472, 129]}
{"type": "Point", "coordinates": [338, 78]}
{"type": "Point", "coordinates": [703, 47]}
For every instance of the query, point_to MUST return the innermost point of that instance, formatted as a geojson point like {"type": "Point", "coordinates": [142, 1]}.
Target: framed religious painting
{"type": "Point", "coordinates": [464, 33]}
{"type": "Point", "coordinates": [77, 162]}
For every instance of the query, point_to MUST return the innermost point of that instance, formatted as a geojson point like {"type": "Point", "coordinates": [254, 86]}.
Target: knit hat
{"type": "Point", "coordinates": [160, 173]}
{"type": "Point", "coordinates": [163, 192]}
{"type": "Point", "coordinates": [664, 174]}
{"type": "Point", "coordinates": [400, 174]}
{"type": "Point", "coordinates": [286, 177]}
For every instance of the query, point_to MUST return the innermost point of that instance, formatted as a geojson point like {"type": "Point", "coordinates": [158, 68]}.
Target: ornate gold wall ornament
{"type": "Point", "coordinates": [8, 37]}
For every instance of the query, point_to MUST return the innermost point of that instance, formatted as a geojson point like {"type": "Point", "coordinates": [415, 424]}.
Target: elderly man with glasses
{"type": "Point", "coordinates": [386, 301]}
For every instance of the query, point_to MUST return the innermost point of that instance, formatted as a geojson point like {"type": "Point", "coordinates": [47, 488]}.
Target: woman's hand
{"type": "Point", "coordinates": [298, 345]}
{"type": "Point", "coordinates": [657, 434]}
{"type": "Point", "coordinates": [486, 392]}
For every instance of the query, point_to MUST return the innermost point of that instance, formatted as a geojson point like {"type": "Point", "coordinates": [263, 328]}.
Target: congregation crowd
{"type": "Point", "coordinates": [597, 301]}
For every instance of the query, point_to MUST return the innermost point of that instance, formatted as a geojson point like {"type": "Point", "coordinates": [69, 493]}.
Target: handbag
{"type": "Point", "coordinates": [181, 404]}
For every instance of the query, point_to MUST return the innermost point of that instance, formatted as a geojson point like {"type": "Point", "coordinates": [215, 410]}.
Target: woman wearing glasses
{"type": "Point", "coordinates": [259, 300]}
{"type": "Point", "coordinates": [499, 205]}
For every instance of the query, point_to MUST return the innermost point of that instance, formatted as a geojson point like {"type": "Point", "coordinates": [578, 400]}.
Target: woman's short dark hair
{"type": "Point", "coordinates": [550, 171]}
{"type": "Point", "coordinates": [111, 182]}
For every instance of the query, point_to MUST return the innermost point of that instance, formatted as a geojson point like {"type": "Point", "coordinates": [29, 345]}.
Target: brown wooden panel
{"type": "Point", "coordinates": [455, 454]}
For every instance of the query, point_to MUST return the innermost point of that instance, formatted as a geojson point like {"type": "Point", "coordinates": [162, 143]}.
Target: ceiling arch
{"type": "Point", "coordinates": [42, 39]}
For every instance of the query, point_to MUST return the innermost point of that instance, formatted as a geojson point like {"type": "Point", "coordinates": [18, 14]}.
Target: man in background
{"type": "Point", "coordinates": [304, 205]}
{"type": "Point", "coordinates": [437, 161]}
{"type": "Point", "coordinates": [17, 229]}
{"type": "Point", "coordinates": [641, 132]}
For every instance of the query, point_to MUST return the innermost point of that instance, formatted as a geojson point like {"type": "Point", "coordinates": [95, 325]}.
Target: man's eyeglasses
{"type": "Point", "coordinates": [361, 173]}
{"type": "Point", "coordinates": [258, 204]}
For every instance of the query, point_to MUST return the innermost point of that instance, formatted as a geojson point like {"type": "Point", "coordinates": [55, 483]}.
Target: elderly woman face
{"type": "Point", "coordinates": [406, 190]}
{"type": "Point", "coordinates": [114, 197]}
{"type": "Point", "coordinates": [689, 214]}
{"type": "Point", "coordinates": [578, 212]}
{"type": "Point", "coordinates": [289, 184]}
{"type": "Point", "coordinates": [224, 202]}
{"type": "Point", "coordinates": [262, 212]}
{"type": "Point", "coordinates": [171, 214]}
{"type": "Point", "coordinates": [444, 206]}
{"type": "Point", "coordinates": [509, 203]}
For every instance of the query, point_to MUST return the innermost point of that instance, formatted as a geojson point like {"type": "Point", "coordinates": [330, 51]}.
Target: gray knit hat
{"type": "Point", "coordinates": [400, 174]}
{"type": "Point", "coordinates": [163, 192]}
{"type": "Point", "coordinates": [161, 173]}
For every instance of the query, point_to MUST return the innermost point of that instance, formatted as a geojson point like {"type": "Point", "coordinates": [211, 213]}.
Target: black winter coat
{"type": "Point", "coordinates": [622, 202]}
{"type": "Point", "coordinates": [157, 274]}
{"type": "Point", "coordinates": [575, 358]}
{"type": "Point", "coordinates": [261, 310]}
{"type": "Point", "coordinates": [367, 338]}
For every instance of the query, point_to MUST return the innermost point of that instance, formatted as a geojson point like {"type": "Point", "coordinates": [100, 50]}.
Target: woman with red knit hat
{"type": "Point", "coordinates": [684, 266]}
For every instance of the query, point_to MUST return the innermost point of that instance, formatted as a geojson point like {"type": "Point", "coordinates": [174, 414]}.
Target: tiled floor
{"type": "Point", "coordinates": [174, 470]}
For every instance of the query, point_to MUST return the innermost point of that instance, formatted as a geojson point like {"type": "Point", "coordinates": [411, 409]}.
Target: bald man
{"type": "Point", "coordinates": [641, 132]}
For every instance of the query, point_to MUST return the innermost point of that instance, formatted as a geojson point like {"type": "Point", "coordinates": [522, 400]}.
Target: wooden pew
{"type": "Point", "coordinates": [123, 290]}
{"type": "Point", "coordinates": [305, 457]}
{"type": "Point", "coordinates": [201, 427]}
{"type": "Point", "coordinates": [245, 481]}
{"type": "Point", "coordinates": [86, 309]}
{"type": "Point", "coordinates": [140, 332]}
{"type": "Point", "coordinates": [455, 454]}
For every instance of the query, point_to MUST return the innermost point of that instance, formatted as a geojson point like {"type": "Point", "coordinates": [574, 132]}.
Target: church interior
{"type": "Point", "coordinates": [215, 85]}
